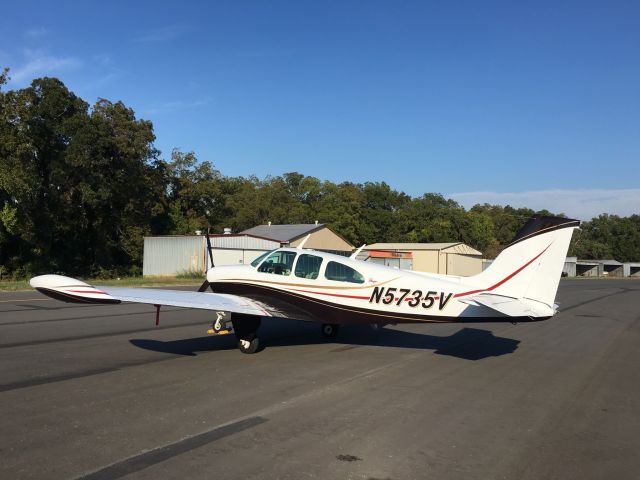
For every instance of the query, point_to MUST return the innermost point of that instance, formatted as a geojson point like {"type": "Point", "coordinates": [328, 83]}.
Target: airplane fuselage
{"type": "Point", "coordinates": [377, 294]}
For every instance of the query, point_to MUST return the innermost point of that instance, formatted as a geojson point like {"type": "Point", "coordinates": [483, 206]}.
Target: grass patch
{"type": "Point", "coordinates": [12, 285]}
{"type": "Point", "coordinates": [191, 275]}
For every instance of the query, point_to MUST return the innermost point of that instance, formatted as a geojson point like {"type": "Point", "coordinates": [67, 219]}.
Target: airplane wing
{"type": "Point", "coordinates": [177, 298]}
{"type": "Point", "coordinates": [75, 291]}
{"type": "Point", "coordinates": [511, 307]}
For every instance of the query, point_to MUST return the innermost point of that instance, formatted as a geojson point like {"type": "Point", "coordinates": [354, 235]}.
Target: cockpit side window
{"type": "Point", "coordinates": [278, 263]}
{"type": "Point", "coordinates": [342, 273]}
{"type": "Point", "coordinates": [308, 266]}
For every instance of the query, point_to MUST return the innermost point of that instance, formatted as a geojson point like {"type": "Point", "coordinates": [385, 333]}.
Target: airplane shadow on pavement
{"type": "Point", "coordinates": [467, 343]}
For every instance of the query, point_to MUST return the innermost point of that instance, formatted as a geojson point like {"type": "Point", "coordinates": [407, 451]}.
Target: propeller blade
{"type": "Point", "coordinates": [204, 286]}
{"type": "Point", "coordinates": [209, 250]}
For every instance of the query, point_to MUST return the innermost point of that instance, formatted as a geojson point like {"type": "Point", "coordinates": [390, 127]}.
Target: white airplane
{"type": "Point", "coordinates": [519, 286]}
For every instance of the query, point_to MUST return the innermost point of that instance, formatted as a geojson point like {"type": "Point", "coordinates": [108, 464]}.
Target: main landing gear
{"type": "Point", "coordinates": [248, 345]}
{"type": "Point", "coordinates": [246, 329]}
{"type": "Point", "coordinates": [330, 330]}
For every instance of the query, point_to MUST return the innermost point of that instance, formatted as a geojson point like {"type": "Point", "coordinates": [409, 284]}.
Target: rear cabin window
{"type": "Point", "coordinates": [308, 266]}
{"type": "Point", "coordinates": [278, 263]}
{"type": "Point", "coordinates": [342, 273]}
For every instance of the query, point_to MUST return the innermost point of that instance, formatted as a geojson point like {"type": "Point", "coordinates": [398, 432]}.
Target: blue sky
{"type": "Point", "coordinates": [508, 102]}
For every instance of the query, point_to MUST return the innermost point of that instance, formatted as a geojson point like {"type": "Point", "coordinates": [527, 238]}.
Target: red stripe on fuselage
{"type": "Point", "coordinates": [357, 297]}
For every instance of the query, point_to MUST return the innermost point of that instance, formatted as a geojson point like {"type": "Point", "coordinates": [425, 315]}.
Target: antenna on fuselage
{"type": "Point", "coordinates": [301, 244]}
{"type": "Point", "coordinates": [357, 252]}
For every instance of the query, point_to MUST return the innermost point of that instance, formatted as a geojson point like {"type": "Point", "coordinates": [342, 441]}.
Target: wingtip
{"type": "Point", "coordinates": [52, 280]}
{"type": "Point", "coordinates": [70, 289]}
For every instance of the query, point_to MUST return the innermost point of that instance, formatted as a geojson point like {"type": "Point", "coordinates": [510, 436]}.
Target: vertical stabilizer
{"type": "Point", "coordinates": [531, 265]}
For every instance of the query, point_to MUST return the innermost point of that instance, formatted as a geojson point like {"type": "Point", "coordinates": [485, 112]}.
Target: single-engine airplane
{"type": "Point", "coordinates": [519, 286]}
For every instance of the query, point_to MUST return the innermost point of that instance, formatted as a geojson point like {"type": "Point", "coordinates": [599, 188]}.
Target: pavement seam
{"type": "Point", "coordinates": [157, 455]}
{"type": "Point", "coordinates": [98, 335]}
{"type": "Point", "coordinates": [84, 317]}
{"type": "Point", "coordinates": [151, 457]}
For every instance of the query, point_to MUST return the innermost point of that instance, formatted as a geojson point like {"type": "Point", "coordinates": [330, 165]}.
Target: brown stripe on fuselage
{"type": "Point", "coordinates": [328, 312]}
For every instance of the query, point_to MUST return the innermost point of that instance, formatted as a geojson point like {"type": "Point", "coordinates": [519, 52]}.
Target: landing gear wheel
{"type": "Point", "coordinates": [330, 330]}
{"type": "Point", "coordinates": [245, 328]}
{"type": "Point", "coordinates": [248, 345]}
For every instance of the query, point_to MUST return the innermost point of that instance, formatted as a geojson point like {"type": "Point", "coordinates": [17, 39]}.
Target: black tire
{"type": "Point", "coordinates": [248, 345]}
{"type": "Point", "coordinates": [330, 330]}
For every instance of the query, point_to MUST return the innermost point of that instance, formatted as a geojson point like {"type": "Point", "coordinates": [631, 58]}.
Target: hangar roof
{"type": "Point", "coordinates": [452, 247]}
{"type": "Point", "coordinates": [608, 262]}
{"type": "Point", "coordinates": [284, 233]}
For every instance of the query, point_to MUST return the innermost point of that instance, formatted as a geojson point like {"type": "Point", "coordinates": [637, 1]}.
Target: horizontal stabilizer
{"type": "Point", "coordinates": [511, 307]}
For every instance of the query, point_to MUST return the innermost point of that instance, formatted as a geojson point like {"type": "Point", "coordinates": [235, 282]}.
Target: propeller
{"type": "Point", "coordinates": [205, 285]}
{"type": "Point", "coordinates": [209, 249]}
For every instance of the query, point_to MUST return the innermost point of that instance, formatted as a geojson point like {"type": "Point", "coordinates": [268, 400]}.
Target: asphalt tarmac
{"type": "Point", "coordinates": [99, 392]}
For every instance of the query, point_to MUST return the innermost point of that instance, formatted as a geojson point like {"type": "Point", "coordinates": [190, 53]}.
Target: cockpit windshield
{"type": "Point", "coordinates": [257, 261]}
{"type": "Point", "coordinates": [279, 262]}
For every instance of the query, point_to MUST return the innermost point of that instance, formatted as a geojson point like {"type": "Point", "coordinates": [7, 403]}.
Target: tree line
{"type": "Point", "coordinates": [80, 185]}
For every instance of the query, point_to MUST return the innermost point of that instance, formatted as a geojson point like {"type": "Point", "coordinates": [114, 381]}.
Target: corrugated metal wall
{"type": "Point", "coordinates": [239, 249]}
{"type": "Point", "coordinates": [570, 267]}
{"type": "Point", "coordinates": [228, 256]}
{"type": "Point", "coordinates": [243, 242]}
{"type": "Point", "coordinates": [173, 255]}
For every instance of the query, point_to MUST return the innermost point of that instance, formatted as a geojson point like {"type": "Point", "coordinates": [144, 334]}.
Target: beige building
{"type": "Point", "coordinates": [445, 258]}
{"type": "Point", "coordinates": [322, 237]}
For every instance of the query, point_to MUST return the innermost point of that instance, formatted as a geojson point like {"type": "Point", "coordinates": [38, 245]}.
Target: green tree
{"type": "Point", "coordinates": [78, 187]}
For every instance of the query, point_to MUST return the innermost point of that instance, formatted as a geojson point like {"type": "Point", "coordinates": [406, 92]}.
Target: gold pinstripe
{"type": "Point", "coordinates": [306, 285]}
